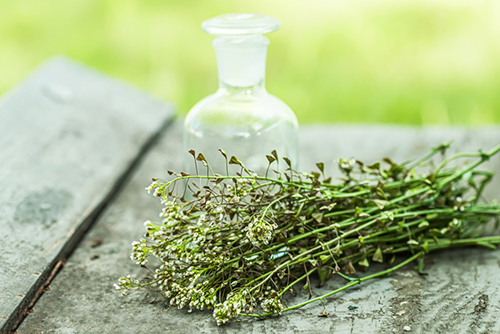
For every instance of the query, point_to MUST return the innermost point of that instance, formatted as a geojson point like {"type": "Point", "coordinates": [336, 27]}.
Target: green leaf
{"type": "Point", "coordinates": [324, 274]}
{"type": "Point", "coordinates": [288, 162]}
{"type": "Point", "coordinates": [235, 161]}
{"type": "Point", "coordinates": [321, 167]}
{"type": "Point", "coordinates": [328, 207]}
{"type": "Point", "coordinates": [317, 216]}
{"type": "Point", "coordinates": [274, 154]}
{"type": "Point", "coordinates": [388, 215]}
{"type": "Point", "coordinates": [349, 269]}
{"type": "Point", "coordinates": [223, 153]}
{"type": "Point", "coordinates": [380, 203]}
{"type": "Point", "coordinates": [378, 256]}
{"type": "Point", "coordinates": [313, 262]}
{"type": "Point", "coordinates": [324, 258]}
{"type": "Point", "coordinates": [364, 263]}
{"type": "Point", "coordinates": [375, 166]}
{"type": "Point", "coordinates": [270, 158]}
{"type": "Point", "coordinates": [388, 161]}
{"type": "Point", "coordinates": [201, 158]}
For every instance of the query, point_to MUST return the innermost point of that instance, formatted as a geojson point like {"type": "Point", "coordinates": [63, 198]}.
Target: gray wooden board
{"type": "Point", "coordinates": [83, 300]}
{"type": "Point", "coordinates": [68, 136]}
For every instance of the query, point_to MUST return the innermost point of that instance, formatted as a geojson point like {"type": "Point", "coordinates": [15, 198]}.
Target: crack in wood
{"type": "Point", "coordinates": [39, 292]}
{"type": "Point", "coordinates": [83, 222]}
{"type": "Point", "coordinates": [18, 316]}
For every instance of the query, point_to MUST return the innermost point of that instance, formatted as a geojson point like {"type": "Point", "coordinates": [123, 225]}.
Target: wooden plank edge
{"type": "Point", "coordinates": [41, 285]}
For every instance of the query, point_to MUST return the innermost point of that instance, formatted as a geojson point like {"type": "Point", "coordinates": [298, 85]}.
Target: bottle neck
{"type": "Point", "coordinates": [241, 63]}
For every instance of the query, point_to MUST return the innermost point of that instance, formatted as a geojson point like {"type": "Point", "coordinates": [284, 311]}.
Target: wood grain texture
{"type": "Point", "coordinates": [68, 137]}
{"type": "Point", "coordinates": [82, 298]}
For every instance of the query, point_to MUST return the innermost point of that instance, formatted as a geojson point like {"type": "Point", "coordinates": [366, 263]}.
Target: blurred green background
{"type": "Point", "coordinates": [413, 62]}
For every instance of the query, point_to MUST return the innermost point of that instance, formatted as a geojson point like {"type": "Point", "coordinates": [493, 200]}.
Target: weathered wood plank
{"type": "Point", "coordinates": [83, 300]}
{"type": "Point", "coordinates": [68, 137]}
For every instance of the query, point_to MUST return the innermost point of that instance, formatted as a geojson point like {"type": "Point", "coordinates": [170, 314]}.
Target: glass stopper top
{"type": "Point", "coordinates": [240, 24]}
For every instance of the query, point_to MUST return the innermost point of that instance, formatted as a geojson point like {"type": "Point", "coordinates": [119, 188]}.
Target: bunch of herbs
{"type": "Point", "coordinates": [237, 244]}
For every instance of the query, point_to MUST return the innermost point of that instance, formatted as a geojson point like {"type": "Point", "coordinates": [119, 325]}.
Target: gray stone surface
{"type": "Point", "coordinates": [449, 300]}
{"type": "Point", "coordinates": [68, 135]}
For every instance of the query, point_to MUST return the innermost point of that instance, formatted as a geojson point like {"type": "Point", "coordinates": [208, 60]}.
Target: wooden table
{"type": "Point", "coordinates": [77, 150]}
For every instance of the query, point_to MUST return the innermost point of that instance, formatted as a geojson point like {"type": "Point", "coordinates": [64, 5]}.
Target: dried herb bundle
{"type": "Point", "coordinates": [242, 241]}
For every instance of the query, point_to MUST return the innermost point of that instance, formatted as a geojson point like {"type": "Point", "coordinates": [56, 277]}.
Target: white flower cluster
{"type": "Point", "coordinates": [233, 306]}
{"type": "Point", "coordinates": [195, 297]}
{"type": "Point", "coordinates": [172, 212]}
{"type": "Point", "coordinates": [140, 252]}
{"type": "Point", "coordinates": [260, 231]}
{"type": "Point", "coordinates": [272, 305]}
{"type": "Point", "coordinates": [123, 282]}
{"type": "Point", "coordinates": [156, 187]}
{"type": "Point", "coordinates": [126, 283]}
{"type": "Point", "coordinates": [459, 204]}
{"type": "Point", "coordinates": [193, 245]}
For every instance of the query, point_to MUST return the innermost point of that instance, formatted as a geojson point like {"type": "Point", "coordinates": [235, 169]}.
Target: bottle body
{"type": "Point", "coordinates": [246, 125]}
{"type": "Point", "coordinates": [241, 118]}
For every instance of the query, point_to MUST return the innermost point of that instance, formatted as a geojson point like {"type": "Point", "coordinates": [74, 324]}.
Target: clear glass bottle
{"type": "Point", "coordinates": [241, 118]}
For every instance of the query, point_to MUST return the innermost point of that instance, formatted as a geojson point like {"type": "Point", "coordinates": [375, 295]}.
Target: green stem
{"type": "Point", "coordinates": [483, 157]}
{"type": "Point", "coordinates": [355, 282]}
{"type": "Point", "coordinates": [429, 155]}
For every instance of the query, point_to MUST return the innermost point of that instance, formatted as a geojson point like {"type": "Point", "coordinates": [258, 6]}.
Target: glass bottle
{"type": "Point", "coordinates": [241, 118]}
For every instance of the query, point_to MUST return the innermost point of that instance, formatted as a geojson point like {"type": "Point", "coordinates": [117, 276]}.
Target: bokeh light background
{"type": "Point", "coordinates": [411, 62]}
